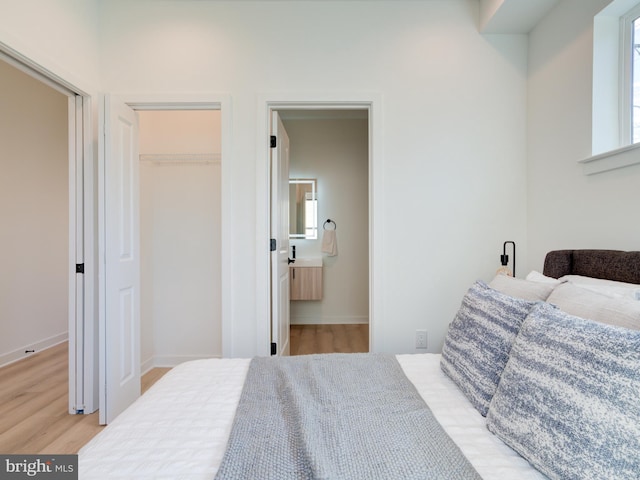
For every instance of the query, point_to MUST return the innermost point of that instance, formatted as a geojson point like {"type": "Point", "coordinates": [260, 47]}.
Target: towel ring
{"type": "Point", "coordinates": [324, 226]}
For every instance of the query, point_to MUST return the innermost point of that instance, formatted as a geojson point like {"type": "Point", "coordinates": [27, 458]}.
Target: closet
{"type": "Point", "coordinates": [180, 236]}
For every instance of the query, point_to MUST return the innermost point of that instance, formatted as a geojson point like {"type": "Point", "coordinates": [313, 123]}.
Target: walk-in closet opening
{"type": "Point", "coordinates": [180, 236]}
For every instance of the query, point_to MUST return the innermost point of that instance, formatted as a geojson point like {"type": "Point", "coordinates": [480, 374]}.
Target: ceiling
{"type": "Point", "coordinates": [513, 16]}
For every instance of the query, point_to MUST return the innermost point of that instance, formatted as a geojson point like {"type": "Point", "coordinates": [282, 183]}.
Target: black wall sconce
{"type": "Point", "coordinates": [504, 260]}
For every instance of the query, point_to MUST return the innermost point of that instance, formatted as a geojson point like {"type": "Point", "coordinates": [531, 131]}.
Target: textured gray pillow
{"type": "Point", "coordinates": [568, 399]}
{"type": "Point", "coordinates": [477, 345]}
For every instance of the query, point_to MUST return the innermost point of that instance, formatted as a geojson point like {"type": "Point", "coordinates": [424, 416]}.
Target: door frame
{"type": "Point", "coordinates": [81, 329]}
{"type": "Point", "coordinates": [314, 101]}
{"type": "Point", "coordinates": [184, 101]}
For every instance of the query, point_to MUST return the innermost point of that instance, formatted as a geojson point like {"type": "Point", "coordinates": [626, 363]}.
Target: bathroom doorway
{"type": "Point", "coordinates": [331, 146]}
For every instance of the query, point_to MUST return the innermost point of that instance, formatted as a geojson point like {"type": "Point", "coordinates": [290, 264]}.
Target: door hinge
{"type": "Point", "coordinates": [79, 267]}
{"type": "Point", "coordinates": [274, 349]}
{"type": "Point", "coordinates": [273, 141]}
{"type": "Point", "coordinates": [272, 245]}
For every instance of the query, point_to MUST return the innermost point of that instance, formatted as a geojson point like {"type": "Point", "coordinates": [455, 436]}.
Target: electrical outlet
{"type": "Point", "coordinates": [421, 339]}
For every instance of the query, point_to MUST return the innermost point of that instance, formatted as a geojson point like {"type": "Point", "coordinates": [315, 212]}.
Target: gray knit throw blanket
{"type": "Point", "coordinates": [337, 416]}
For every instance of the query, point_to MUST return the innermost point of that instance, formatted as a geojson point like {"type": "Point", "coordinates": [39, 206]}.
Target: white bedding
{"type": "Point", "coordinates": [179, 428]}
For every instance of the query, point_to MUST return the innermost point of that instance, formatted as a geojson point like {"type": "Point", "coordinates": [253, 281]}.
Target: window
{"type": "Point", "coordinates": [311, 215]}
{"type": "Point", "coordinates": [616, 88]}
{"type": "Point", "coordinates": [630, 71]}
{"type": "Point", "coordinates": [635, 82]}
{"type": "Point", "coordinates": [616, 76]}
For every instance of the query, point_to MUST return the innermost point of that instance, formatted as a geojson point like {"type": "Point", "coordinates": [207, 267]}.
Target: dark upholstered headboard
{"type": "Point", "coordinates": [608, 264]}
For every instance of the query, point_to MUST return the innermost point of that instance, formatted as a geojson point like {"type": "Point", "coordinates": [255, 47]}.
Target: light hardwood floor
{"type": "Point", "coordinates": [308, 339]}
{"type": "Point", "coordinates": [33, 406]}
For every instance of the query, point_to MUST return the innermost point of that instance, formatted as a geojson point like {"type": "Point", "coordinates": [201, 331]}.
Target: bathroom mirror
{"type": "Point", "coordinates": [303, 209]}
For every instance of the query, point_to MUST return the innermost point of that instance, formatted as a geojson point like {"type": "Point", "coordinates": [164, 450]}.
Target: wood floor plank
{"type": "Point", "coordinates": [76, 435]}
{"type": "Point", "coordinates": [29, 406]}
{"type": "Point", "coordinates": [312, 339]}
{"type": "Point", "coordinates": [30, 379]}
{"type": "Point", "coordinates": [29, 435]}
{"type": "Point", "coordinates": [151, 377]}
{"type": "Point", "coordinates": [358, 338]}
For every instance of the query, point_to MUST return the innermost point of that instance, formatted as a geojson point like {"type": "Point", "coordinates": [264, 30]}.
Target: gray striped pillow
{"type": "Point", "coordinates": [477, 345]}
{"type": "Point", "coordinates": [568, 400]}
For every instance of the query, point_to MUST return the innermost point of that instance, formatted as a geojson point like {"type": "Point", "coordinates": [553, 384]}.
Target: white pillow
{"type": "Point", "coordinates": [606, 287]}
{"type": "Point", "coordinates": [535, 276]}
{"type": "Point", "coordinates": [585, 303]}
{"type": "Point", "coordinates": [525, 289]}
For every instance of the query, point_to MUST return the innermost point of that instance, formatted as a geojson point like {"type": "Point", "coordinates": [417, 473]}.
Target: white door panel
{"type": "Point", "coordinates": [120, 334]}
{"type": "Point", "coordinates": [280, 232]}
{"type": "Point", "coordinates": [76, 255]}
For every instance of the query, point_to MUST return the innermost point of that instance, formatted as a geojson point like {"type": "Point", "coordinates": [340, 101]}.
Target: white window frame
{"type": "Point", "coordinates": [611, 106]}
{"type": "Point", "coordinates": [626, 75]}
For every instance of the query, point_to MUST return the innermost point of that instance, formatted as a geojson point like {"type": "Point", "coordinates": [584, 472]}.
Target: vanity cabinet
{"type": "Point", "coordinates": [305, 283]}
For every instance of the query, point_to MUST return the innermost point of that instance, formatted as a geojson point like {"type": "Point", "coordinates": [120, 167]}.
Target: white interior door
{"type": "Point", "coordinates": [120, 332]}
{"type": "Point", "coordinates": [76, 255]}
{"type": "Point", "coordinates": [280, 232]}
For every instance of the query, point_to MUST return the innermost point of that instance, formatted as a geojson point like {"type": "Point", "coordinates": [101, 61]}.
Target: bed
{"type": "Point", "coordinates": [506, 418]}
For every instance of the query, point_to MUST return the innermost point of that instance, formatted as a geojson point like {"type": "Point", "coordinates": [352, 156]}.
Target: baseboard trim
{"type": "Point", "coordinates": [19, 354]}
{"type": "Point", "coordinates": [146, 366]}
{"type": "Point", "coordinates": [170, 361]}
{"type": "Point", "coordinates": [337, 320]}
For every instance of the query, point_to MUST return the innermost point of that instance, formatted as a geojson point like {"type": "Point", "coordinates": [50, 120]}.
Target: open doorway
{"type": "Point", "coordinates": [42, 211]}
{"type": "Point", "coordinates": [330, 147]}
{"type": "Point", "coordinates": [34, 210]}
{"type": "Point", "coordinates": [180, 236]}
{"type": "Point", "coordinates": [169, 294]}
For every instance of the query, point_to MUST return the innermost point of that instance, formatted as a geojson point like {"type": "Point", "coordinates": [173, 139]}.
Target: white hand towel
{"type": "Point", "coordinates": [330, 243]}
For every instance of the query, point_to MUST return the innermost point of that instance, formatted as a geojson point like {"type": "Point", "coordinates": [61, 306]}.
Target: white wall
{"type": "Point", "coordinates": [180, 236]}
{"type": "Point", "coordinates": [452, 122]}
{"type": "Point", "coordinates": [336, 153]}
{"type": "Point", "coordinates": [566, 208]}
{"type": "Point", "coordinates": [61, 35]}
{"type": "Point", "coordinates": [34, 223]}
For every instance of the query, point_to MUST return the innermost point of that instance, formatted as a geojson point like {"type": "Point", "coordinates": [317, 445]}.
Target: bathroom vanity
{"type": "Point", "coordinates": [305, 279]}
